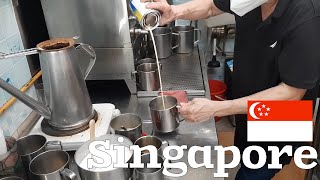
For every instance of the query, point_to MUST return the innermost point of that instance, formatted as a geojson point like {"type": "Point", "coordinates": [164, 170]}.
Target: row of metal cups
{"type": "Point", "coordinates": [130, 126]}
{"type": "Point", "coordinates": [82, 155]}
{"type": "Point", "coordinates": [54, 164]}
{"type": "Point", "coordinates": [47, 161]}
{"type": "Point", "coordinates": [147, 69]}
{"type": "Point", "coordinates": [43, 160]}
{"type": "Point", "coordinates": [165, 119]}
{"type": "Point", "coordinates": [179, 39]}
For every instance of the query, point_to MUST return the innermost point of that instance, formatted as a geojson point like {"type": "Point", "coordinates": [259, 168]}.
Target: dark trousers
{"type": "Point", "coordinates": [263, 173]}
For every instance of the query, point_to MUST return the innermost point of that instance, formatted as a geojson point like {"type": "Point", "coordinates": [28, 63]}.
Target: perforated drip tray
{"type": "Point", "coordinates": [47, 129]}
{"type": "Point", "coordinates": [180, 72]}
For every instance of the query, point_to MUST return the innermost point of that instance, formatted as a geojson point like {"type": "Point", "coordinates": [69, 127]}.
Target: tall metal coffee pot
{"type": "Point", "coordinates": [68, 103]}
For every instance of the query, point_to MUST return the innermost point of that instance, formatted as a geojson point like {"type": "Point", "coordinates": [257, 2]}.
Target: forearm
{"type": "Point", "coordinates": [240, 106]}
{"type": "Point", "coordinates": [196, 9]}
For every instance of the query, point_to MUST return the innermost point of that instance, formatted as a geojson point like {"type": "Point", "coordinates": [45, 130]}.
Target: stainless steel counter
{"type": "Point", "coordinates": [203, 134]}
{"type": "Point", "coordinates": [191, 135]}
{"type": "Point", "coordinates": [181, 72]}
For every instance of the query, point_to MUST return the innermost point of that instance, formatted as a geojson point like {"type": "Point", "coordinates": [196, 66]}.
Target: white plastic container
{"type": "Point", "coordinates": [3, 145]}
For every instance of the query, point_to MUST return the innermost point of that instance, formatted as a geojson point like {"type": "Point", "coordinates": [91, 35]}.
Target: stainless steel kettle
{"type": "Point", "coordinates": [68, 103]}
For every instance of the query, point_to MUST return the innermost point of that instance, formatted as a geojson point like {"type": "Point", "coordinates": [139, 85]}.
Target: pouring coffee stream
{"type": "Point", "coordinates": [158, 65]}
{"type": "Point", "coordinates": [69, 104]}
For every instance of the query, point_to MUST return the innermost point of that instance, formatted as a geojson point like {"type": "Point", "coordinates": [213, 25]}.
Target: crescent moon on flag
{"type": "Point", "coordinates": [251, 110]}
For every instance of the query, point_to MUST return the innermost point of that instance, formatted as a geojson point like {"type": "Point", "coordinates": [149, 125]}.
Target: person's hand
{"type": "Point", "coordinates": [167, 11]}
{"type": "Point", "coordinates": [198, 110]}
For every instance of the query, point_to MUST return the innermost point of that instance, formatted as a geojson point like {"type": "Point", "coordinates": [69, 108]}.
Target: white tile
{"type": "Point", "coordinates": [22, 72]}
{"type": "Point", "coordinates": [4, 3]}
{"type": "Point", "coordinates": [6, 122]}
{"type": "Point", "coordinates": [13, 27]}
{"type": "Point", "coordinates": [5, 64]}
{"type": "Point", "coordinates": [32, 92]}
{"type": "Point", "coordinates": [14, 70]}
{"type": "Point", "coordinates": [2, 98]}
{"type": "Point", "coordinates": [8, 23]}
{"type": "Point", "coordinates": [10, 78]}
{"type": "Point", "coordinates": [3, 29]}
{"type": "Point", "coordinates": [21, 117]}
{"type": "Point", "coordinates": [14, 44]}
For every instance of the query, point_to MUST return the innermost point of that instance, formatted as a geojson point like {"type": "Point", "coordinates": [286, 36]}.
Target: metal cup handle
{"type": "Point", "coordinates": [50, 144]}
{"type": "Point", "coordinates": [91, 53]}
{"type": "Point", "coordinates": [165, 143]}
{"type": "Point", "coordinates": [182, 119]}
{"type": "Point", "coordinates": [197, 41]}
{"type": "Point", "coordinates": [68, 174]}
{"type": "Point", "coordinates": [178, 41]}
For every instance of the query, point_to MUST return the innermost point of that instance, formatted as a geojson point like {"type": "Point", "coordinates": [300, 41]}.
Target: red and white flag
{"type": "Point", "coordinates": [280, 121]}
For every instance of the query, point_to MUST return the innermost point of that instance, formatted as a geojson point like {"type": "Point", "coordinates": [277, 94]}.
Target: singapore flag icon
{"type": "Point", "coordinates": [280, 121]}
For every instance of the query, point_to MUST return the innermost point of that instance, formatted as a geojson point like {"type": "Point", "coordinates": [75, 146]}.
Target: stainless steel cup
{"type": "Point", "coordinates": [104, 173]}
{"type": "Point", "coordinates": [152, 141]}
{"type": "Point", "coordinates": [148, 60]}
{"type": "Point", "coordinates": [149, 173]}
{"type": "Point", "coordinates": [12, 178]}
{"type": "Point", "coordinates": [30, 146]}
{"type": "Point", "coordinates": [163, 37]}
{"type": "Point", "coordinates": [148, 77]}
{"type": "Point", "coordinates": [165, 119]}
{"type": "Point", "coordinates": [51, 165]}
{"type": "Point", "coordinates": [128, 125]}
{"type": "Point", "coordinates": [187, 39]}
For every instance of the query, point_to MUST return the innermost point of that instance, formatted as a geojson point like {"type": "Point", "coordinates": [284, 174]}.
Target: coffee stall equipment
{"type": "Point", "coordinates": [82, 154]}
{"type": "Point", "coordinates": [148, 77]}
{"type": "Point", "coordinates": [127, 125]}
{"type": "Point", "coordinates": [69, 106]}
{"type": "Point", "coordinates": [51, 165]}
{"type": "Point", "coordinates": [187, 39]}
{"type": "Point", "coordinates": [28, 147]}
{"type": "Point", "coordinates": [149, 173]}
{"type": "Point", "coordinates": [119, 41]}
{"type": "Point", "coordinates": [102, 24]}
{"type": "Point", "coordinates": [165, 119]}
{"type": "Point", "coordinates": [164, 38]}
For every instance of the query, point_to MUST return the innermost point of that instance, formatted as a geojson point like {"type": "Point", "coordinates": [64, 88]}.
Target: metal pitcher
{"type": "Point", "coordinates": [51, 165]}
{"type": "Point", "coordinates": [165, 119]}
{"type": "Point", "coordinates": [68, 103]}
{"type": "Point", "coordinates": [163, 37]}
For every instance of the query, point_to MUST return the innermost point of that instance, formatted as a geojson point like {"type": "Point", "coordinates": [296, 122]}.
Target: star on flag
{"type": "Point", "coordinates": [263, 110]}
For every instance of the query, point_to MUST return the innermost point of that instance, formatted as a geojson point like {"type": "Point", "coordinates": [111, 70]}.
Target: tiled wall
{"type": "Point", "coordinates": [14, 70]}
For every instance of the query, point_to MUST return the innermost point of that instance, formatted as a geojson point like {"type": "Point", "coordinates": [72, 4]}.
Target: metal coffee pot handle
{"type": "Point", "coordinates": [68, 174]}
{"type": "Point", "coordinates": [165, 143]}
{"type": "Point", "coordinates": [197, 41]}
{"type": "Point", "coordinates": [91, 53]}
{"type": "Point", "coordinates": [178, 41]}
{"type": "Point", "coordinates": [178, 118]}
